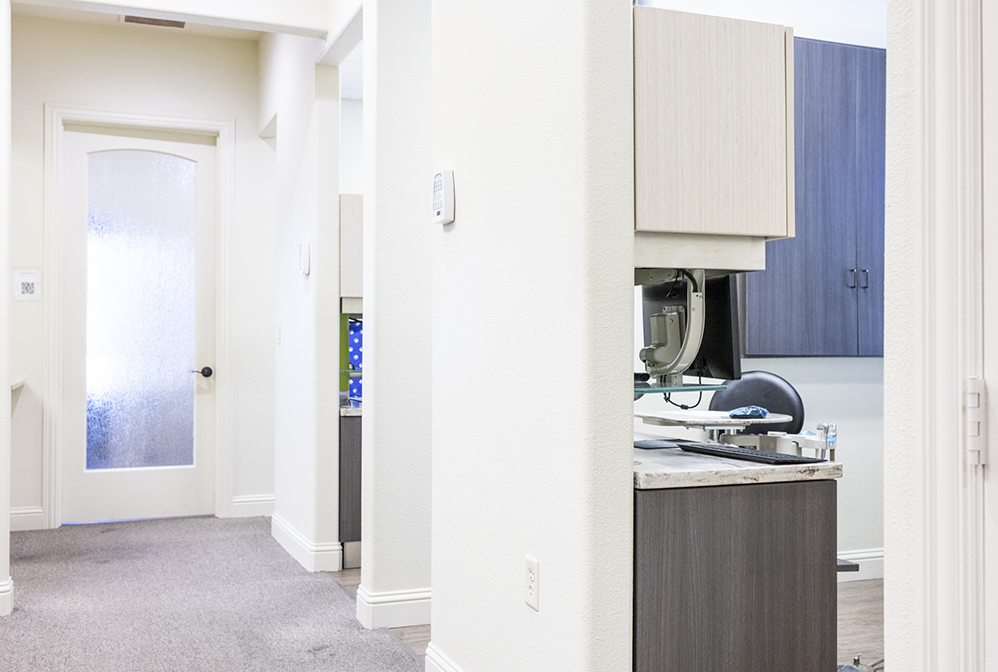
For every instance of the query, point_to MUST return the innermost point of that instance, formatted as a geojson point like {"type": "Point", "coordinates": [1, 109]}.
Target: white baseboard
{"type": "Point", "coordinates": [436, 661]}
{"type": "Point", "coordinates": [313, 557]}
{"type": "Point", "coordinates": [248, 506]}
{"type": "Point", "coordinates": [23, 518]}
{"type": "Point", "coordinates": [396, 609]}
{"type": "Point", "coordinates": [871, 564]}
{"type": "Point", "coordinates": [7, 597]}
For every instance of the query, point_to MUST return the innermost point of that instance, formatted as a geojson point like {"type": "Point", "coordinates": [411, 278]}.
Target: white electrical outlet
{"type": "Point", "coordinates": [532, 584]}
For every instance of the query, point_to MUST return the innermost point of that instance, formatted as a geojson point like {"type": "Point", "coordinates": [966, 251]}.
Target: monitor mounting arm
{"type": "Point", "coordinates": [677, 330]}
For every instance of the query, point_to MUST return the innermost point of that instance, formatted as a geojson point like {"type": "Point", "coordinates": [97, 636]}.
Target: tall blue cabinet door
{"type": "Point", "coordinates": [802, 304]}
{"type": "Point", "coordinates": [871, 121]}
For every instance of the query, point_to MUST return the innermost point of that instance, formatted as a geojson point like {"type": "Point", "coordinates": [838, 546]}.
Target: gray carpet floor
{"type": "Point", "coordinates": [180, 594]}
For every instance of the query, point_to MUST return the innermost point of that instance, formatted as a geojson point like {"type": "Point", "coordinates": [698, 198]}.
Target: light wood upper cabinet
{"type": "Point", "coordinates": [713, 125]}
{"type": "Point", "coordinates": [351, 246]}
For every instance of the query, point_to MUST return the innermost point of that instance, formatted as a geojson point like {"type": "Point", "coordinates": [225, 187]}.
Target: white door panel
{"type": "Point", "coordinates": [138, 304]}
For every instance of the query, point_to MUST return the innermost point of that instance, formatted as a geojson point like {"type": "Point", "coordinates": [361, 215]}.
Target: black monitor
{"type": "Point", "coordinates": [720, 349]}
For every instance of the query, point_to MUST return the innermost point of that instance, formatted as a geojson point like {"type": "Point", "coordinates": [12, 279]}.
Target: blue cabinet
{"type": "Point", "coordinates": [822, 293]}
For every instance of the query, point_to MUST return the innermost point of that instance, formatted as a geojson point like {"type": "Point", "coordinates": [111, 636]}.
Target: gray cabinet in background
{"type": "Point", "coordinates": [350, 459]}
{"type": "Point", "coordinates": [822, 293]}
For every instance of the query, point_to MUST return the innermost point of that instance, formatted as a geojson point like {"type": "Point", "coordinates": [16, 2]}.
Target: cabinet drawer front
{"type": "Point", "coordinates": [710, 124]}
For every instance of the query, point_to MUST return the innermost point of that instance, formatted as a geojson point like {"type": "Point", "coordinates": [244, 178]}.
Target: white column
{"type": "Point", "coordinates": [306, 450]}
{"type": "Point", "coordinates": [6, 584]}
{"type": "Point", "coordinates": [395, 530]}
{"type": "Point", "coordinates": [935, 314]}
{"type": "Point", "coordinates": [533, 336]}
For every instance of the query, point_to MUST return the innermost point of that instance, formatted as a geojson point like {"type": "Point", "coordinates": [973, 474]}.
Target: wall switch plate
{"type": "Point", "coordinates": [532, 582]}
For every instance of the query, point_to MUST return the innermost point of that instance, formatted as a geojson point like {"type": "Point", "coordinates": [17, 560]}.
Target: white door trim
{"type": "Point", "coordinates": [225, 130]}
{"type": "Point", "coordinates": [934, 321]}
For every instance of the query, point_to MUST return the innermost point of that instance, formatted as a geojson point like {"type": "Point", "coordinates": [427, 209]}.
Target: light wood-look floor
{"type": "Point", "coordinates": [861, 619]}
{"type": "Point", "coordinates": [414, 637]}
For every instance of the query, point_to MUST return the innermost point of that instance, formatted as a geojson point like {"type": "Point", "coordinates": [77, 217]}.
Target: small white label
{"type": "Point", "coordinates": [27, 286]}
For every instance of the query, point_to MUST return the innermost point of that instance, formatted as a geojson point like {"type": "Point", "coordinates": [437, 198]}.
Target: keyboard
{"type": "Point", "coordinates": [748, 454]}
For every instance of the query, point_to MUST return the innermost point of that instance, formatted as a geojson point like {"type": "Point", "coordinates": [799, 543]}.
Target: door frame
{"type": "Point", "coordinates": [224, 130]}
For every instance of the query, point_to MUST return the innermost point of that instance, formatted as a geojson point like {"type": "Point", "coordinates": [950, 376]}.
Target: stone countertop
{"type": "Point", "coordinates": [674, 468]}
{"type": "Point", "coordinates": [350, 412]}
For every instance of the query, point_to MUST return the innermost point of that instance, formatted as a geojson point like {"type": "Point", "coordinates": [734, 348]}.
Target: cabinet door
{"type": "Point", "coordinates": [802, 303]}
{"type": "Point", "coordinates": [710, 124]}
{"type": "Point", "coordinates": [871, 121]}
{"type": "Point", "coordinates": [737, 578]}
{"type": "Point", "coordinates": [351, 245]}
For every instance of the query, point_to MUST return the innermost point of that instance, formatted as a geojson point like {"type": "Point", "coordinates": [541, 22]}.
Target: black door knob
{"type": "Point", "coordinates": [206, 372]}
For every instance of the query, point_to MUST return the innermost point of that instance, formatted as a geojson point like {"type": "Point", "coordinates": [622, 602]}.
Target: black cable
{"type": "Point", "coordinates": [672, 290]}
{"type": "Point", "coordinates": [683, 406]}
{"type": "Point", "coordinates": [668, 396]}
{"type": "Point", "coordinates": [696, 285]}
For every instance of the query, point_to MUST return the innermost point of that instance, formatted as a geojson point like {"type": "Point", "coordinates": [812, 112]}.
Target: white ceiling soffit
{"type": "Point", "coordinates": [352, 75]}
{"type": "Point", "coordinates": [82, 11]}
{"type": "Point", "coordinates": [80, 16]}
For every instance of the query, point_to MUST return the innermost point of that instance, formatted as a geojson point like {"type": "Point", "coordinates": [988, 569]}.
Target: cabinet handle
{"type": "Point", "coordinates": [866, 278]}
{"type": "Point", "coordinates": [851, 278]}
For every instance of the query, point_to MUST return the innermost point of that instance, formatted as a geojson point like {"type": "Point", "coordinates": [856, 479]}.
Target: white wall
{"type": "Point", "coordinates": [6, 585]}
{"type": "Point", "coordinates": [158, 72]}
{"type": "Point", "coordinates": [858, 414]}
{"type": "Point", "coordinates": [532, 311]}
{"type": "Point", "coordinates": [850, 21]}
{"type": "Point", "coordinates": [352, 147]}
{"type": "Point", "coordinates": [304, 98]}
{"type": "Point", "coordinates": [395, 522]}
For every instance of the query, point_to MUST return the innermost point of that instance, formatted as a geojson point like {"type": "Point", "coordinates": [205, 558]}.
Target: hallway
{"type": "Point", "coordinates": [181, 594]}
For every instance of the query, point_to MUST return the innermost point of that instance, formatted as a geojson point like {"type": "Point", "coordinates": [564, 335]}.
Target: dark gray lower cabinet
{"type": "Point", "coordinates": [349, 479]}
{"type": "Point", "coordinates": [735, 578]}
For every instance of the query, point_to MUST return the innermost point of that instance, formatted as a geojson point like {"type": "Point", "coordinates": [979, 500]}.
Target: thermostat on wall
{"type": "Point", "coordinates": [443, 197]}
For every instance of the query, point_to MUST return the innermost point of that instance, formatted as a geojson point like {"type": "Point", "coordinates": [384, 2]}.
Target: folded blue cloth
{"type": "Point", "coordinates": [749, 412]}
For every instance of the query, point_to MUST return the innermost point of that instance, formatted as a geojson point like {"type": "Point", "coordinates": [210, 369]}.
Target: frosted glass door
{"type": "Point", "coordinates": [140, 309]}
{"type": "Point", "coordinates": [137, 290]}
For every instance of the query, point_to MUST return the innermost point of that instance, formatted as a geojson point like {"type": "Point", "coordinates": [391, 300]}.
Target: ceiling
{"type": "Point", "coordinates": [351, 69]}
{"type": "Point", "coordinates": [80, 16]}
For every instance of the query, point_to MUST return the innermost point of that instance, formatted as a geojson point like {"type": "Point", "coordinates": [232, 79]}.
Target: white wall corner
{"type": "Point", "coordinates": [870, 561]}
{"type": "Point", "coordinates": [313, 557]}
{"type": "Point", "coordinates": [393, 609]}
{"type": "Point", "coordinates": [7, 597]}
{"type": "Point", "coordinates": [436, 661]}
{"type": "Point", "coordinates": [248, 506]}
{"type": "Point", "coordinates": [23, 518]}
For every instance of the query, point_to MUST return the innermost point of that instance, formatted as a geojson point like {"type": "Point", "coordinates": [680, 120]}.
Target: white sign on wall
{"type": "Point", "coordinates": [27, 286]}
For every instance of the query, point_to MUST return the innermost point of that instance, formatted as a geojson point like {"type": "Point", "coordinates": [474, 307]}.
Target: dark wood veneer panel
{"type": "Point", "coordinates": [350, 479]}
{"type": "Point", "coordinates": [801, 304]}
{"type": "Point", "coordinates": [871, 161]}
{"type": "Point", "coordinates": [735, 578]}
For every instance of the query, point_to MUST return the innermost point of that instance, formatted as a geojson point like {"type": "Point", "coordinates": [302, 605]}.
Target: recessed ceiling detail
{"type": "Point", "coordinates": [165, 23]}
